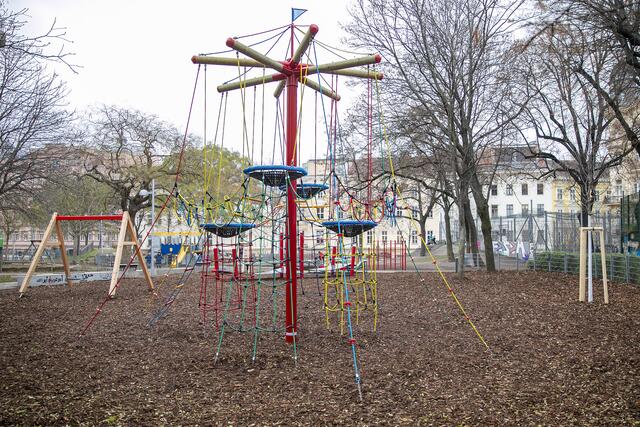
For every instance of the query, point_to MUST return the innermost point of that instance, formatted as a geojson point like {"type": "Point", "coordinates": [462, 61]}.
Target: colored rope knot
{"type": "Point", "coordinates": [347, 304]}
{"type": "Point", "coordinates": [352, 341]}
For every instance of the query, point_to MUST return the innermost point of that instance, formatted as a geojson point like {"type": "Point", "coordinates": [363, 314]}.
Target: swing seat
{"type": "Point", "coordinates": [349, 227]}
{"type": "Point", "coordinates": [275, 175]}
{"type": "Point", "coordinates": [227, 230]}
{"type": "Point", "coordinates": [307, 191]}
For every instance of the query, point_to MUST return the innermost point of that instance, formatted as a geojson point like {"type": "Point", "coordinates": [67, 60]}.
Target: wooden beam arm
{"type": "Point", "coordinates": [348, 63]}
{"type": "Point", "coordinates": [234, 62]}
{"type": "Point", "coordinates": [320, 89]}
{"type": "Point", "coordinates": [304, 43]}
{"type": "Point", "coordinates": [254, 54]}
{"type": "Point", "coordinates": [251, 82]}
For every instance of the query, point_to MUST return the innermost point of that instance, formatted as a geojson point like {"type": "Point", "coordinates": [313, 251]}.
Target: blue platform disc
{"type": "Point", "coordinates": [230, 229]}
{"type": "Point", "coordinates": [275, 175]}
{"type": "Point", "coordinates": [349, 227]}
{"type": "Point", "coordinates": [307, 191]}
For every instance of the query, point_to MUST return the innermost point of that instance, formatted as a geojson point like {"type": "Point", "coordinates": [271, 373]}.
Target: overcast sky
{"type": "Point", "coordinates": [136, 53]}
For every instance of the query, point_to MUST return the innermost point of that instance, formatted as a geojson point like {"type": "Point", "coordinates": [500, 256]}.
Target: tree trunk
{"type": "Point", "coordinates": [76, 244]}
{"type": "Point", "coordinates": [423, 236]}
{"type": "Point", "coordinates": [447, 231]}
{"type": "Point", "coordinates": [482, 208]}
{"type": "Point", "coordinates": [462, 230]}
{"type": "Point", "coordinates": [473, 236]}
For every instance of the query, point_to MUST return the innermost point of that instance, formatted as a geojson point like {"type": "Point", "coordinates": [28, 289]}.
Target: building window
{"type": "Point", "coordinates": [398, 211]}
{"type": "Point", "coordinates": [540, 209]}
{"type": "Point", "coordinates": [509, 191]}
{"type": "Point", "coordinates": [525, 210]}
{"type": "Point", "coordinates": [384, 236]}
{"type": "Point", "coordinates": [559, 194]}
{"type": "Point", "coordinates": [509, 210]}
{"type": "Point", "coordinates": [430, 214]}
{"type": "Point", "coordinates": [340, 214]}
{"type": "Point", "coordinates": [398, 237]}
{"type": "Point", "coordinates": [572, 194]}
{"type": "Point", "coordinates": [319, 236]}
{"type": "Point", "coordinates": [414, 237]}
{"type": "Point", "coordinates": [494, 189]}
{"type": "Point", "coordinates": [414, 213]}
{"type": "Point", "coordinates": [597, 196]}
{"type": "Point", "coordinates": [540, 188]}
{"type": "Point", "coordinates": [320, 213]}
{"type": "Point", "coordinates": [494, 210]}
{"type": "Point", "coordinates": [618, 187]}
{"type": "Point", "coordinates": [525, 189]}
{"type": "Point", "coordinates": [369, 237]}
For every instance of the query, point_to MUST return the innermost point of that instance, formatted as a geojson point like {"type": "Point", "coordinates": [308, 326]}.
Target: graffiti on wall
{"type": "Point", "coordinates": [59, 278]}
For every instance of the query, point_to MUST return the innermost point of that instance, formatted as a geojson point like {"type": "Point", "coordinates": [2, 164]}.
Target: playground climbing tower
{"type": "Point", "coordinates": [290, 74]}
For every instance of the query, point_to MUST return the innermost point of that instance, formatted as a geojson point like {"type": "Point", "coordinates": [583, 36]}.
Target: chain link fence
{"type": "Point", "coordinates": [550, 241]}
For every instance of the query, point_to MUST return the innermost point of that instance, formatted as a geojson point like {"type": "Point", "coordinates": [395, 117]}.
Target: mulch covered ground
{"type": "Point", "coordinates": [552, 360]}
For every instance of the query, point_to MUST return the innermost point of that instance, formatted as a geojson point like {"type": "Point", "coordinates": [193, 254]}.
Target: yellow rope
{"type": "Point", "coordinates": [433, 259]}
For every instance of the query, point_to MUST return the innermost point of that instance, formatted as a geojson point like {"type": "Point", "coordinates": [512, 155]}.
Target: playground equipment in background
{"type": "Point", "coordinates": [586, 262]}
{"type": "Point", "coordinates": [126, 227]}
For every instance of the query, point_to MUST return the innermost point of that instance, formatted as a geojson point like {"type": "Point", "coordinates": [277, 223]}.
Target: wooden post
{"type": "Point", "coordinates": [583, 254]}
{"type": "Point", "coordinates": [583, 262]}
{"type": "Point", "coordinates": [604, 268]}
{"type": "Point", "coordinates": [63, 253]}
{"type": "Point", "coordinates": [36, 258]}
{"type": "Point", "coordinates": [118, 257]}
{"type": "Point", "coordinates": [136, 245]}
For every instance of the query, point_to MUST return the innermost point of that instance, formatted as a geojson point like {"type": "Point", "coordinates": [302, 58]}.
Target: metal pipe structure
{"type": "Point", "coordinates": [291, 292]}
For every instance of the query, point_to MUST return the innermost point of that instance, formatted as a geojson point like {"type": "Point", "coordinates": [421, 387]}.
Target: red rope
{"type": "Point", "coordinates": [155, 220]}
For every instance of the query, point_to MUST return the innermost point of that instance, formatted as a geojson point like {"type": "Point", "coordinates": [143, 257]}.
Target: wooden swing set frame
{"type": "Point", "coordinates": [126, 226]}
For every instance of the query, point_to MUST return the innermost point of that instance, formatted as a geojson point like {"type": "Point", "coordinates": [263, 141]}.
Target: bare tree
{"type": "Point", "coordinates": [447, 68]}
{"type": "Point", "coordinates": [569, 119]}
{"type": "Point", "coordinates": [613, 26]}
{"type": "Point", "coordinates": [125, 149]}
{"type": "Point", "coordinates": [32, 108]}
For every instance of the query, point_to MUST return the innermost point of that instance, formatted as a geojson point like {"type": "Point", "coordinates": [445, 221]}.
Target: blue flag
{"type": "Point", "coordinates": [295, 13]}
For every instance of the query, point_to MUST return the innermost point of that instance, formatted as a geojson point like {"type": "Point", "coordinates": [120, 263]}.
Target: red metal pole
{"type": "Point", "coordinates": [292, 214]}
{"type": "Point", "coordinates": [234, 258]}
{"type": "Point", "coordinates": [216, 262]}
{"type": "Point", "coordinates": [384, 255]}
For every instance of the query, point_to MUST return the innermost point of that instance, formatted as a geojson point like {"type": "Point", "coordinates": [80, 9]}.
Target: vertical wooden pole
{"type": "Point", "coordinates": [118, 257]}
{"type": "Point", "coordinates": [603, 258]}
{"type": "Point", "coordinates": [136, 246]}
{"type": "Point", "coordinates": [583, 266]}
{"type": "Point", "coordinates": [38, 254]}
{"type": "Point", "coordinates": [63, 253]}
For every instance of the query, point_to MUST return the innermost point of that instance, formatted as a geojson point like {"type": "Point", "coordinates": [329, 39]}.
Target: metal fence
{"type": "Point", "coordinates": [550, 242]}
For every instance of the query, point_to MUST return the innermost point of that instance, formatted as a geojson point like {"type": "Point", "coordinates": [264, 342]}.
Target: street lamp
{"type": "Point", "coordinates": [145, 193]}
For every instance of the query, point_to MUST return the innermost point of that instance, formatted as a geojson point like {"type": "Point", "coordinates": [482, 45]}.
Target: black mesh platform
{"type": "Point", "coordinates": [349, 227]}
{"type": "Point", "coordinates": [276, 175]}
{"type": "Point", "coordinates": [227, 230]}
